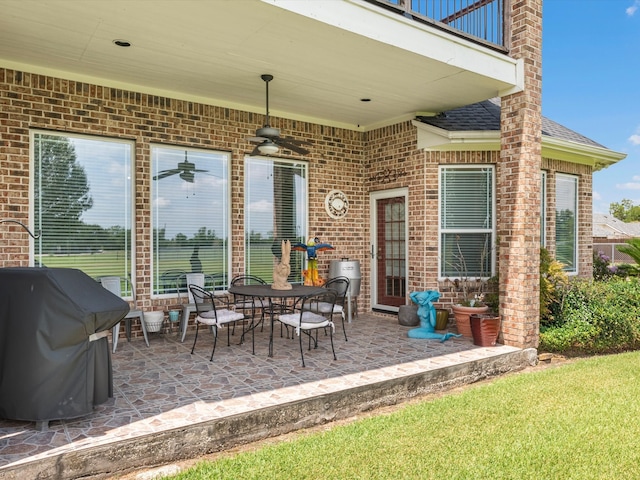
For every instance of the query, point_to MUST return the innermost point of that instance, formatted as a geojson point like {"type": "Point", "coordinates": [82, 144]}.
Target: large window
{"type": "Point", "coordinates": [275, 210]}
{"type": "Point", "coordinates": [82, 190]}
{"type": "Point", "coordinates": [566, 225]}
{"type": "Point", "coordinates": [467, 221]}
{"type": "Point", "coordinates": [190, 217]}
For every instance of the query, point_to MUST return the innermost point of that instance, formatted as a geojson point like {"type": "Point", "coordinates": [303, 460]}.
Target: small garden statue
{"type": "Point", "coordinates": [427, 315]}
{"type": "Point", "coordinates": [283, 269]}
{"type": "Point", "coordinates": [310, 275]}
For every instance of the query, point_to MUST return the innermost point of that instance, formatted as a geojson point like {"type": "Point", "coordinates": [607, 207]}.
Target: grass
{"type": "Point", "coordinates": [577, 421]}
{"type": "Point", "coordinates": [113, 262]}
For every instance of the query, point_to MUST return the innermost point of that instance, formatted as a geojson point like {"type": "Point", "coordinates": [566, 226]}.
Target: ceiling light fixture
{"type": "Point", "coordinates": [268, 148]}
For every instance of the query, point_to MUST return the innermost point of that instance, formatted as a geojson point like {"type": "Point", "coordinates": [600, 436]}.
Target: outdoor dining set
{"type": "Point", "coordinates": [250, 302]}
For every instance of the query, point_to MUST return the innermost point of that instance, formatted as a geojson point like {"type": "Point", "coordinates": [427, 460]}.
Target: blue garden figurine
{"type": "Point", "coordinates": [427, 315]}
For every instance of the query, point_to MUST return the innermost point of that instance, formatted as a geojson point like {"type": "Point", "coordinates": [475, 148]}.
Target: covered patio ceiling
{"type": "Point", "coordinates": [326, 55]}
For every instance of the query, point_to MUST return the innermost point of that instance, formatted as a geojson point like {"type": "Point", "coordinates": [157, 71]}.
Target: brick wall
{"type": "Point", "coordinates": [519, 184]}
{"type": "Point", "coordinates": [29, 101]}
{"type": "Point", "coordinates": [354, 162]}
{"type": "Point", "coordinates": [585, 210]}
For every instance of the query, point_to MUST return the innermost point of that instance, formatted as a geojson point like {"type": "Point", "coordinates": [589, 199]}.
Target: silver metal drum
{"type": "Point", "coordinates": [351, 270]}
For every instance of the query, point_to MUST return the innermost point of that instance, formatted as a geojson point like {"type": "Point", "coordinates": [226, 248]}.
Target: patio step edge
{"type": "Point", "coordinates": [157, 449]}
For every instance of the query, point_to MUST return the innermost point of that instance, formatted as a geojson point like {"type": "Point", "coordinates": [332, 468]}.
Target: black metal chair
{"type": "Point", "coordinates": [208, 314]}
{"type": "Point", "coordinates": [306, 319]}
{"type": "Point", "coordinates": [246, 304]}
{"type": "Point", "coordinates": [339, 285]}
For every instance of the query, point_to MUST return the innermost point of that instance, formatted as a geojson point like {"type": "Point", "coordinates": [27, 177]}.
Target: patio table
{"type": "Point", "coordinates": [267, 292]}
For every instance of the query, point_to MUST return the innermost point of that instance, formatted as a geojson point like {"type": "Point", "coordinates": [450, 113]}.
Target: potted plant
{"type": "Point", "coordinates": [485, 328]}
{"type": "Point", "coordinates": [471, 291]}
{"type": "Point", "coordinates": [462, 313]}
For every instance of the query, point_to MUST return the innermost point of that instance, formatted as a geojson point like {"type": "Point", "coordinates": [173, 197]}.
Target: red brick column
{"type": "Point", "coordinates": [518, 182]}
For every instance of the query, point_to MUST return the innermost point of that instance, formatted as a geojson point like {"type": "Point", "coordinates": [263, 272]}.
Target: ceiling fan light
{"type": "Point", "coordinates": [268, 148]}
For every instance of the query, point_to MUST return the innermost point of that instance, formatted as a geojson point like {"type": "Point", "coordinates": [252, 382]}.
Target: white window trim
{"type": "Point", "coordinates": [305, 234]}
{"type": "Point", "coordinates": [132, 193]}
{"type": "Point", "coordinates": [491, 230]}
{"type": "Point", "coordinates": [228, 222]}
{"type": "Point", "coordinates": [576, 250]}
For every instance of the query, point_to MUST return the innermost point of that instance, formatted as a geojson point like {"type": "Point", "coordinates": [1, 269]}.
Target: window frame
{"type": "Point", "coordinates": [180, 150]}
{"type": "Point", "coordinates": [491, 230]}
{"type": "Point", "coordinates": [296, 274]}
{"type": "Point", "coordinates": [129, 215]}
{"type": "Point", "coordinates": [570, 269]}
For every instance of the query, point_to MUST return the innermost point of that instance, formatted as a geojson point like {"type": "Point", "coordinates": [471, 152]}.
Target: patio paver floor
{"type": "Point", "coordinates": [163, 386]}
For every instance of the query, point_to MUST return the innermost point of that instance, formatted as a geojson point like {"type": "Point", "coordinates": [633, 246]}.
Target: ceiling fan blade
{"type": "Point", "coordinates": [296, 141]}
{"type": "Point", "coordinates": [199, 170]}
{"type": "Point", "coordinates": [255, 152]}
{"type": "Point", "coordinates": [187, 176]}
{"type": "Point", "coordinates": [290, 146]}
{"type": "Point", "coordinates": [257, 139]}
{"type": "Point", "coordinates": [166, 173]}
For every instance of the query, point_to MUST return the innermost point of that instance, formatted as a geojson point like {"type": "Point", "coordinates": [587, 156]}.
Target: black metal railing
{"type": "Point", "coordinates": [482, 21]}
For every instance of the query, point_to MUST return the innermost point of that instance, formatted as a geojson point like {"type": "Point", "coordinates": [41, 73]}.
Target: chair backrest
{"type": "Point", "coordinates": [201, 296]}
{"type": "Point", "coordinates": [328, 297]}
{"type": "Point", "coordinates": [340, 285]}
{"type": "Point", "coordinates": [247, 280]}
{"type": "Point", "coordinates": [196, 279]}
{"type": "Point", "coordinates": [112, 284]}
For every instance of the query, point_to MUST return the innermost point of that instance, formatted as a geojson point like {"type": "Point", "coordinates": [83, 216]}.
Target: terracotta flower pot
{"type": "Point", "coordinates": [461, 314]}
{"type": "Point", "coordinates": [485, 329]}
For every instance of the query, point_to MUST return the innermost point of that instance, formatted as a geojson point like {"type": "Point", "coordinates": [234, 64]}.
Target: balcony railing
{"type": "Point", "coordinates": [482, 21]}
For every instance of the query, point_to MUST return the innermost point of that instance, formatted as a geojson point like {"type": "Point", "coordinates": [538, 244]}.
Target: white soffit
{"type": "Point", "coordinates": [432, 138]}
{"type": "Point", "coordinates": [372, 22]}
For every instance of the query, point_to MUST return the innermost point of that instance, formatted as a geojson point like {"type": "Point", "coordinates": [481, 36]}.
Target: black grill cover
{"type": "Point", "coordinates": [51, 367]}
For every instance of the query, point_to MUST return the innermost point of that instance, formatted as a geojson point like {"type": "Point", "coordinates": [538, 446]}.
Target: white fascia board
{"type": "Point", "coordinates": [437, 139]}
{"type": "Point", "coordinates": [574, 152]}
{"type": "Point", "coordinates": [388, 27]}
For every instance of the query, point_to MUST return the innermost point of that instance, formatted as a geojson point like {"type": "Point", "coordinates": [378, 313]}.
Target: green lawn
{"type": "Point", "coordinates": [113, 263]}
{"type": "Point", "coordinates": [576, 421]}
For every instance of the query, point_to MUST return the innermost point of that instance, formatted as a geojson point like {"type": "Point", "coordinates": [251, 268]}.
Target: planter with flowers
{"type": "Point", "coordinates": [462, 313]}
{"type": "Point", "coordinates": [471, 290]}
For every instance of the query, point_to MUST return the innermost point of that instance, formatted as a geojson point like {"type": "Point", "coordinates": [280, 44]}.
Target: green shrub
{"type": "Point", "coordinates": [625, 270]}
{"type": "Point", "coordinates": [595, 317]}
{"type": "Point", "coordinates": [602, 268]}
{"type": "Point", "coordinates": [632, 248]}
{"type": "Point", "coordinates": [553, 280]}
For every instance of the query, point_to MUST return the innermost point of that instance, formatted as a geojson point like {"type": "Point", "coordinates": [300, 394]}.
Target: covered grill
{"type": "Point", "coordinates": [55, 361]}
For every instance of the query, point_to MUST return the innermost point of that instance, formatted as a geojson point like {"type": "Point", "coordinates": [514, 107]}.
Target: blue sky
{"type": "Point", "coordinates": [591, 84]}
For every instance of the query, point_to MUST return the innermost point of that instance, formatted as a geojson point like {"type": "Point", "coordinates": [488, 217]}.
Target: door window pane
{"type": "Point", "coordinates": [275, 210]}
{"type": "Point", "coordinates": [190, 217]}
{"type": "Point", "coordinates": [82, 191]}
